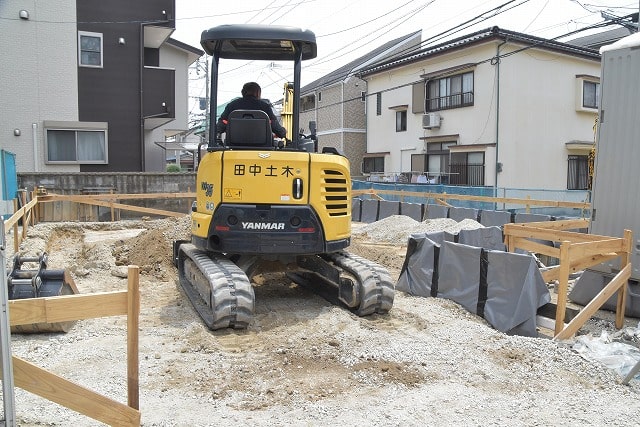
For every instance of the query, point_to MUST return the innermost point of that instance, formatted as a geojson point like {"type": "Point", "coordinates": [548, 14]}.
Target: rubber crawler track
{"type": "Point", "coordinates": [230, 300]}
{"type": "Point", "coordinates": [376, 288]}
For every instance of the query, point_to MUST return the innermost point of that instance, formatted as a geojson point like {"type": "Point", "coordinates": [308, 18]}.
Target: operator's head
{"type": "Point", "coordinates": [251, 89]}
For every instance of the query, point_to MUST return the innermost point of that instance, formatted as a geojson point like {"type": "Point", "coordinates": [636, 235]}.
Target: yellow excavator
{"type": "Point", "coordinates": [266, 206]}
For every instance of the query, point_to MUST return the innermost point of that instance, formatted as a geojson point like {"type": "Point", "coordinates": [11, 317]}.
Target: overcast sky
{"type": "Point", "coordinates": [348, 29]}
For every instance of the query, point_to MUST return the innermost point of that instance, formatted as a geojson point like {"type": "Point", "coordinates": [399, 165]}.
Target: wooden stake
{"type": "Point", "coordinates": [133, 315]}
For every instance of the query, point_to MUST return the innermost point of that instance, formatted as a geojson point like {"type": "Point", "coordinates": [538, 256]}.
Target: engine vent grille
{"type": "Point", "coordinates": [335, 192]}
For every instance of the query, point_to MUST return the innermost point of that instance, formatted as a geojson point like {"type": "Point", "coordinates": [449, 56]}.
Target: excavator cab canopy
{"type": "Point", "coordinates": [257, 42]}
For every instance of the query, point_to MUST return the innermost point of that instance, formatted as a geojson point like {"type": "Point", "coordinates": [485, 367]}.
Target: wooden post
{"type": "Point", "coordinates": [563, 284]}
{"type": "Point", "coordinates": [113, 217]}
{"type": "Point", "coordinates": [133, 323]}
{"type": "Point", "coordinates": [16, 242]}
{"type": "Point", "coordinates": [25, 215]}
{"type": "Point", "coordinates": [625, 259]}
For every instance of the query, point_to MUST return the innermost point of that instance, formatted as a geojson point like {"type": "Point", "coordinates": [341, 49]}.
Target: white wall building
{"type": "Point", "coordinates": [457, 114]}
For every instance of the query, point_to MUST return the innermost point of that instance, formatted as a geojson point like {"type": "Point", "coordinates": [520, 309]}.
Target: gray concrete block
{"type": "Point", "coordinates": [368, 211]}
{"type": "Point", "coordinates": [436, 211]}
{"type": "Point", "coordinates": [412, 210]}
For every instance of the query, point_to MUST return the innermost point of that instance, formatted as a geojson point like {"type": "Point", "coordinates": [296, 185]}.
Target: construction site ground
{"type": "Point", "coordinates": [304, 361]}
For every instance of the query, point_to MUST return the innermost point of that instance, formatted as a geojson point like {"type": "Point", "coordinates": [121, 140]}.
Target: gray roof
{"type": "Point", "coordinates": [482, 36]}
{"type": "Point", "coordinates": [353, 66]}
{"type": "Point", "coordinates": [184, 46]}
{"type": "Point", "coordinates": [596, 41]}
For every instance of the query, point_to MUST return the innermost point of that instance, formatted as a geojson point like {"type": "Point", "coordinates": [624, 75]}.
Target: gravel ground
{"type": "Point", "coordinates": [303, 361]}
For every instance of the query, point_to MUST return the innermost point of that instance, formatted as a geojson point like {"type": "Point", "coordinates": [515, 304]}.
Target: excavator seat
{"type": "Point", "coordinates": [249, 129]}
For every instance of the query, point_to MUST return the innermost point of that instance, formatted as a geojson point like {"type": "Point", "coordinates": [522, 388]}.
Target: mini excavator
{"type": "Point", "coordinates": [266, 206]}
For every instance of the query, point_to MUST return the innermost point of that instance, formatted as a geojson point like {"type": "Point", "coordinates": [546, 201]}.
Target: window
{"type": "Point", "coordinates": [590, 94]}
{"type": "Point", "coordinates": [438, 161]}
{"type": "Point", "coordinates": [401, 121]}
{"type": "Point", "coordinates": [578, 172]}
{"type": "Point", "coordinates": [450, 92]}
{"type": "Point", "coordinates": [308, 103]}
{"type": "Point", "coordinates": [373, 164]}
{"type": "Point", "coordinates": [587, 93]}
{"type": "Point", "coordinates": [319, 96]}
{"type": "Point", "coordinates": [89, 49]}
{"type": "Point", "coordinates": [87, 144]}
{"type": "Point", "coordinates": [467, 169]}
{"type": "Point", "coordinates": [363, 96]}
{"type": "Point", "coordinates": [378, 103]}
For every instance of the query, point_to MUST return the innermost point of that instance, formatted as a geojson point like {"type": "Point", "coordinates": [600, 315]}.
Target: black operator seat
{"type": "Point", "coordinates": [249, 129]}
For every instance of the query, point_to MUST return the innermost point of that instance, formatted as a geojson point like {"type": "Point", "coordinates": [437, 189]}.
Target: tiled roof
{"type": "Point", "coordinates": [482, 37]}
{"type": "Point", "coordinates": [595, 41]}
{"type": "Point", "coordinates": [353, 66]}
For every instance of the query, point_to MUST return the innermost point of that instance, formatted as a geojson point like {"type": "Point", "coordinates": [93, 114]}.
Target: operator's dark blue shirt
{"type": "Point", "coordinates": [250, 103]}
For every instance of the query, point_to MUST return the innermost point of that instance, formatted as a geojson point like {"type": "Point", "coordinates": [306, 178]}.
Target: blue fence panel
{"type": "Point", "coordinates": [519, 193]}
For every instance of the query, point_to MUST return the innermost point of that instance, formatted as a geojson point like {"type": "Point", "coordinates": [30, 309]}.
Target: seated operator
{"type": "Point", "coordinates": [250, 101]}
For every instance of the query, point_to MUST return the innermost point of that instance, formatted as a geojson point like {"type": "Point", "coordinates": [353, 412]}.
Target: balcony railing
{"type": "Point", "coordinates": [450, 101]}
{"type": "Point", "coordinates": [466, 174]}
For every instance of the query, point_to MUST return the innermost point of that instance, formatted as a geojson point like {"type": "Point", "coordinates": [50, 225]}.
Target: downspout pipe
{"type": "Point", "coordinates": [497, 64]}
{"type": "Point", "coordinates": [34, 139]}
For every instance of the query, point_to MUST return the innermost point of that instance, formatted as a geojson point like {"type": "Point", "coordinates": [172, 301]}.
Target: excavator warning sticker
{"type": "Point", "coordinates": [233, 193]}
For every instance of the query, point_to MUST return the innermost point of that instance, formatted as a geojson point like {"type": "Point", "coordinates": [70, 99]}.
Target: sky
{"type": "Point", "coordinates": [347, 29]}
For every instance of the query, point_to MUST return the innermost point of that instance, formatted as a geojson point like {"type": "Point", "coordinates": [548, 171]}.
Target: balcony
{"type": "Point", "coordinates": [158, 103]}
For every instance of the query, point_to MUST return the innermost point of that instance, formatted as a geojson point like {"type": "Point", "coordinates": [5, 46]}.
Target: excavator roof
{"type": "Point", "coordinates": [259, 42]}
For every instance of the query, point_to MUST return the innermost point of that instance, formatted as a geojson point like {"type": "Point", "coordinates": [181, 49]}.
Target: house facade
{"type": "Point", "coordinates": [336, 103]}
{"type": "Point", "coordinates": [493, 108]}
{"type": "Point", "coordinates": [90, 86]}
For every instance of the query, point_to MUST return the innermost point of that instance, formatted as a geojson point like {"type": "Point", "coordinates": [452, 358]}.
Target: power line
{"type": "Point", "coordinates": [488, 60]}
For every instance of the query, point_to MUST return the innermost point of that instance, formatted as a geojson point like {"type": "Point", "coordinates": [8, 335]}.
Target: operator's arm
{"type": "Point", "coordinates": [221, 126]}
{"type": "Point", "coordinates": [277, 128]}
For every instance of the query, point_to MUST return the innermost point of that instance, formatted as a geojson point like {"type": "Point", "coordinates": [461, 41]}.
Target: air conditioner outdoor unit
{"type": "Point", "coordinates": [430, 121]}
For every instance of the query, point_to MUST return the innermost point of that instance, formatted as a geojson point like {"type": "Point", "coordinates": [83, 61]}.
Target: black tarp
{"type": "Point", "coordinates": [504, 288]}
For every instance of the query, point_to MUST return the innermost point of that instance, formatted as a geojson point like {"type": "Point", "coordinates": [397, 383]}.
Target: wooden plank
{"type": "Point", "coordinates": [585, 249]}
{"type": "Point", "coordinates": [526, 230]}
{"type": "Point", "coordinates": [565, 224]}
{"type": "Point", "coordinates": [576, 265]}
{"type": "Point", "coordinates": [116, 196]}
{"type": "Point", "coordinates": [622, 295]}
{"type": "Point", "coordinates": [585, 314]}
{"type": "Point", "coordinates": [535, 247]}
{"type": "Point", "coordinates": [150, 211]}
{"type": "Point", "coordinates": [19, 213]}
{"type": "Point", "coordinates": [133, 324]}
{"type": "Point", "coordinates": [516, 201]}
{"type": "Point", "coordinates": [563, 285]}
{"type": "Point", "coordinates": [67, 308]}
{"type": "Point", "coordinates": [551, 274]}
{"type": "Point", "coordinates": [73, 396]}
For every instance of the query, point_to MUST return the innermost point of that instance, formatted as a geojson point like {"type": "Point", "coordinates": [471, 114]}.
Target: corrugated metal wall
{"type": "Point", "coordinates": [616, 189]}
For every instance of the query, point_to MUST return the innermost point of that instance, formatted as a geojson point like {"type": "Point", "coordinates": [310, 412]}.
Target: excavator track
{"type": "Point", "coordinates": [219, 290]}
{"type": "Point", "coordinates": [342, 278]}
